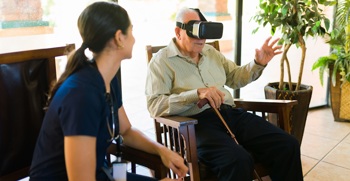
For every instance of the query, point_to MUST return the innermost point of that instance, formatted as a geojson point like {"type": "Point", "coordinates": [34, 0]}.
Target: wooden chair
{"type": "Point", "coordinates": [26, 76]}
{"type": "Point", "coordinates": [178, 133]}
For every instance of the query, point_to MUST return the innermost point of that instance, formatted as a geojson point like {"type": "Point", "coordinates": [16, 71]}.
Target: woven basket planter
{"type": "Point", "coordinates": [340, 99]}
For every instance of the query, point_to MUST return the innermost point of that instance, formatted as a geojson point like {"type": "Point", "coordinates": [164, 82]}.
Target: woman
{"type": "Point", "coordinates": [85, 105]}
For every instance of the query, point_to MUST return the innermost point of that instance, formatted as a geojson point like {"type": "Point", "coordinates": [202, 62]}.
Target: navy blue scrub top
{"type": "Point", "coordinates": [79, 107]}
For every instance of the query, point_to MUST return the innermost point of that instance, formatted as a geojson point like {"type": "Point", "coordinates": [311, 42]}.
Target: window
{"type": "Point", "coordinates": [154, 23]}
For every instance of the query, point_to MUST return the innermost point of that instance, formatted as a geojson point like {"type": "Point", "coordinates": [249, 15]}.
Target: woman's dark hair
{"type": "Point", "coordinates": [97, 25]}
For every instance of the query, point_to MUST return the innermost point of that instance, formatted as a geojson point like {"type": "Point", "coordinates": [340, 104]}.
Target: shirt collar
{"type": "Point", "coordinates": [173, 51]}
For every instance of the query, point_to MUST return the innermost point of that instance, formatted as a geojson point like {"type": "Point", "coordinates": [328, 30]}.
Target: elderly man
{"type": "Point", "coordinates": [188, 70]}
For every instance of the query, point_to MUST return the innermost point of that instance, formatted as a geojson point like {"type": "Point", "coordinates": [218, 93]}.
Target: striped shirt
{"type": "Point", "coordinates": [173, 79]}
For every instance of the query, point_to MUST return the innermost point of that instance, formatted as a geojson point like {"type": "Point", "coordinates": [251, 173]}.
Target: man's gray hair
{"type": "Point", "coordinates": [182, 12]}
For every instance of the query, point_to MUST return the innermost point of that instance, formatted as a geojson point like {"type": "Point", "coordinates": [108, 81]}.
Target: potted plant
{"type": "Point", "coordinates": [337, 63]}
{"type": "Point", "coordinates": [294, 20]}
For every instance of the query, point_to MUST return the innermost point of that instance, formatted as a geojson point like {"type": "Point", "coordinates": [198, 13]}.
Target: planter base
{"type": "Point", "coordinates": [299, 111]}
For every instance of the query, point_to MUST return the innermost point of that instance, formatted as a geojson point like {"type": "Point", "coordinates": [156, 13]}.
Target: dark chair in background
{"type": "Point", "coordinates": [178, 133]}
{"type": "Point", "coordinates": [25, 78]}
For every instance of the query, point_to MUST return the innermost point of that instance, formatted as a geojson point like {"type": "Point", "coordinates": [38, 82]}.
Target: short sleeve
{"type": "Point", "coordinates": [81, 113]}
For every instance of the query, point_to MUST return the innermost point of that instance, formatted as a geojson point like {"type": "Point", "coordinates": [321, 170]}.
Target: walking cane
{"type": "Point", "coordinates": [201, 103]}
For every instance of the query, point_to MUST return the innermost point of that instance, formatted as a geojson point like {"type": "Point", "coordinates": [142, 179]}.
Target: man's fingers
{"type": "Point", "coordinates": [274, 42]}
{"type": "Point", "coordinates": [213, 95]}
{"type": "Point", "coordinates": [267, 40]}
{"type": "Point", "coordinates": [211, 102]}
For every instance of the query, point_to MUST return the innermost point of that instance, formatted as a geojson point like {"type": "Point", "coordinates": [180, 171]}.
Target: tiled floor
{"type": "Point", "coordinates": [325, 147]}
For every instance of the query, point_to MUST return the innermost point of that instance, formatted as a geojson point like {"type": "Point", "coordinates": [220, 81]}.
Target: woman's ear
{"type": "Point", "coordinates": [119, 39]}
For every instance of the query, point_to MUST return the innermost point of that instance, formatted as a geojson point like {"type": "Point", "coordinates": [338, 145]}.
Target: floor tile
{"type": "Point", "coordinates": [308, 163]}
{"type": "Point", "coordinates": [328, 172]}
{"type": "Point", "coordinates": [340, 156]}
{"type": "Point", "coordinates": [316, 146]}
{"type": "Point", "coordinates": [323, 112]}
{"type": "Point", "coordinates": [322, 124]}
{"type": "Point", "coordinates": [347, 139]}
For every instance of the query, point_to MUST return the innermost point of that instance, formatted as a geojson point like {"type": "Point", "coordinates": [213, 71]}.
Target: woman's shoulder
{"type": "Point", "coordinates": [85, 78]}
{"type": "Point", "coordinates": [85, 83]}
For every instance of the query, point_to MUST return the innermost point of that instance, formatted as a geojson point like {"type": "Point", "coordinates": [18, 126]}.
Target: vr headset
{"type": "Point", "coordinates": [202, 29]}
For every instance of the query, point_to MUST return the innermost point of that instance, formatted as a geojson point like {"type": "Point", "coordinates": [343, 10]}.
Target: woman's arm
{"type": "Point", "coordinates": [80, 157]}
{"type": "Point", "coordinates": [134, 138]}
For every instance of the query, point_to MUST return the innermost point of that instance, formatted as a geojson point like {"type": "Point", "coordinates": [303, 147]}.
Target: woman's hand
{"type": "Point", "coordinates": [173, 161]}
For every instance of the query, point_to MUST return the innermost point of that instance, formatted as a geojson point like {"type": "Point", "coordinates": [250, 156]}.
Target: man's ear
{"type": "Point", "coordinates": [177, 32]}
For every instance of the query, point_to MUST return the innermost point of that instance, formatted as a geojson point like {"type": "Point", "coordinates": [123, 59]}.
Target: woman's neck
{"type": "Point", "coordinates": [108, 67]}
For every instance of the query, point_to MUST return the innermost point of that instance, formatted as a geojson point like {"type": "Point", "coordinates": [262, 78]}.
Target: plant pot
{"type": "Point", "coordinates": [340, 98]}
{"type": "Point", "coordinates": [299, 111]}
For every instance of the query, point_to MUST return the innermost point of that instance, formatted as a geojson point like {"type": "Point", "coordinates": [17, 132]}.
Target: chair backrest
{"type": "Point", "coordinates": [28, 75]}
{"type": "Point", "coordinates": [154, 49]}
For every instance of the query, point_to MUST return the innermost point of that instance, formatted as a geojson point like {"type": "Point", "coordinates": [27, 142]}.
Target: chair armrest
{"type": "Point", "coordinates": [178, 134]}
{"type": "Point", "coordinates": [176, 121]}
{"type": "Point", "coordinates": [151, 161]}
{"type": "Point", "coordinates": [282, 108]}
{"type": "Point", "coordinates": [265, 105]}
{"type": "Point", "coordinates": [139, 157]}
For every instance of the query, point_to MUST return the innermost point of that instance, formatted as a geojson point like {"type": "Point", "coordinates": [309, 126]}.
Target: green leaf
{"type": "Point", "coordinates": [327, 23]}
{"type": "Point", "coordinates": [347, 76]}
{"type": "Point", "coordinates": [322, 62]}
{"type": "Point", "coordinates": [285, 10]}
{"type": "Point", "coordinates": [321, 74]}
{"type": "Point", "coordinates": [255, 30]}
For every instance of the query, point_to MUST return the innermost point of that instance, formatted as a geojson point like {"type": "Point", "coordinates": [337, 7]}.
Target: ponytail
{"type": "Point", "coordinates": [76, 60]}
